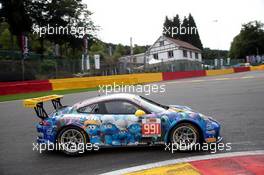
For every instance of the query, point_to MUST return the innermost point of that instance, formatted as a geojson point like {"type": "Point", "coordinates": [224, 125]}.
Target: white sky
{"type": "Point", "coordinates": [143, 19]}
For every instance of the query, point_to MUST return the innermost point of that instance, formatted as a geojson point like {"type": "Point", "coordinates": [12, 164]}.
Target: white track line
{"type": "Point", "coordinates": [181, 160]}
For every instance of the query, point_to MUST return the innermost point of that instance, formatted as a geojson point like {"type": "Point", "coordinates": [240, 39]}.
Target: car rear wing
{"type": "Point", "coordinates": [37, 104]}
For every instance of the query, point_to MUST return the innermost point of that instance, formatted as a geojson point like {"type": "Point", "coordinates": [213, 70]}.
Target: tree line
{"type": "Point", "coordinates": [185, 30]}
{"type": "Point", "coordinates": [26, 16]}
{"type": "Point", "coordinates": [22, 15]}
{"type": "Point", "coordinates": [19, 17]}
{"type": "Point", "coordinates": [250, 41]}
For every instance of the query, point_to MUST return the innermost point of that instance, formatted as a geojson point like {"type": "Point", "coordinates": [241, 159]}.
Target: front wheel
{"type": "Point", "coordinates": [185, 136]}
{"type": "Point", "coordinates": [72, 140]}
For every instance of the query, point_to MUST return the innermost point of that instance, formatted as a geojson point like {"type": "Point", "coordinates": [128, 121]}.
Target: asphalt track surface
{"type": "Point", "coordinates": [236, 100]}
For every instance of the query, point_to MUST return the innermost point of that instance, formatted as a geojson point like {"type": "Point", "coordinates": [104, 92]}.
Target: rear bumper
{"type": "Point", "coordinates": [46, 134]}
{"type": "Point", "coordinates": [212, 133]}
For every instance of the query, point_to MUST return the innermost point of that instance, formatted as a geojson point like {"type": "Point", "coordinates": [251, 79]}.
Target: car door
{"type": "Point", "coordinates": [120, 126]}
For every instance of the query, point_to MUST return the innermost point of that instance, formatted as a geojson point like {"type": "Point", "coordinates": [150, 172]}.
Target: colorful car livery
{"type": "Point", "coordinates": [121, 120]}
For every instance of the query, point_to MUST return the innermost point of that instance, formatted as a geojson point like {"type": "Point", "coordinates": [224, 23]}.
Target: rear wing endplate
{"type": "Point", "coordinates": [37, 104]}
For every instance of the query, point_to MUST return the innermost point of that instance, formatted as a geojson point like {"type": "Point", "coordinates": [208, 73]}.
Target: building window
{"type": "Point", "coordinates": [161, 43]}
{"type": "Point", "coordinates": [170, 54]}
{"type": "Point", "coordinates": [156, 56]}
{"type": "Point", "coordinates": [190, 54]}
{"type": "Point", "coordinates": [184, 53]}
{"type": "Point", "coordinates": [196, 56]}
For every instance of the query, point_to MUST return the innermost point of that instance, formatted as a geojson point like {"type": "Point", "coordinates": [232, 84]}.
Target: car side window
{"type": "Point", "coordinates": [91, 109]}
{"type": "Point", "coordinates": [120, 107]}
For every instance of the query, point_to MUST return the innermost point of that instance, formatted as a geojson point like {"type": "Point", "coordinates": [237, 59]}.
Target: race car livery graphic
{"type": "Point", "coordinates": [121, 120]}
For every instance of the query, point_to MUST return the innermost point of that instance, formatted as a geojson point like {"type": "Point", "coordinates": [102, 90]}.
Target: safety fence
{"type": "Point", "coordinates": [128, 79]}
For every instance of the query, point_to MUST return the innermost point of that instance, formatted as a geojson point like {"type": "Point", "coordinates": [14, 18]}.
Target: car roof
{"type": "Point", "coordinates": [122, 96]}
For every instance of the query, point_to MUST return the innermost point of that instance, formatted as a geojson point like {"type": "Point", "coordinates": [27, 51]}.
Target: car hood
{"type": "Point", "coordinates": [180, 108]}
{"type": "Point", "coordinates": [186, 110]}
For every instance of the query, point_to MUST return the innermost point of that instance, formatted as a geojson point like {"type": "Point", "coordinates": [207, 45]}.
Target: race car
{"type": "Point", "coordinates": [121, 120]}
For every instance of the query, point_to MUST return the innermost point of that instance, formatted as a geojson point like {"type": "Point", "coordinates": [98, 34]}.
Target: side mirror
{"type": "Point", "coordinates": [139, 113]}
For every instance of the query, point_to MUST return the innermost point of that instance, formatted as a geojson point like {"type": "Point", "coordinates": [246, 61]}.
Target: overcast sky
{"type": "Point", "coordinates": [143, 19]}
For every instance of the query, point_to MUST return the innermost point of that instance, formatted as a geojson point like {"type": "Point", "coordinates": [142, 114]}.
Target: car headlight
{"type": "Point", "coordinates": [209, 125]}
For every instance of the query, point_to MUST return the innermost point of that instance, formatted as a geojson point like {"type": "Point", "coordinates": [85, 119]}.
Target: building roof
{"type": "Point", "coordinates": [183, 44]}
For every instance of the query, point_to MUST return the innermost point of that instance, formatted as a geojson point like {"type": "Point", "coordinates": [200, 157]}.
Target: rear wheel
{"type": "Point", "coordinates": [185, 136]}
{"type": "Point", "coordinates": [72, 140]}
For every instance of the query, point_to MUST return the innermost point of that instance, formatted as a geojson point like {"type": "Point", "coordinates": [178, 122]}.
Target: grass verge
{"type": "Point", "coordinates": [38, 94]}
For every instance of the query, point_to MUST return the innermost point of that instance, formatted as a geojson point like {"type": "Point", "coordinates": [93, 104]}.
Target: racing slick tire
{"type": "Point", "coordinates": [185, 137]}
{"type": "Point", "coordinates": [72, 140]}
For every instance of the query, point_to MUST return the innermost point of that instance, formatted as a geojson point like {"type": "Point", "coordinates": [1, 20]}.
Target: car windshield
{"type": "Point", "coordinates": [153, 106]}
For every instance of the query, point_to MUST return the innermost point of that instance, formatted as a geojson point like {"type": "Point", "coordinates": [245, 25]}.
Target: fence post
{"type": "Point", "coordinates": [23, 68]}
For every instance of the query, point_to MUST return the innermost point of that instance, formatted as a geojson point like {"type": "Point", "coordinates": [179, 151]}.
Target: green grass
{"type": "Point", "coordinates": [38, 94]}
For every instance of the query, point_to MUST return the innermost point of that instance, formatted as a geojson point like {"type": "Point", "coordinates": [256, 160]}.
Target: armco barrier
{"type": "Point", "coordinates": [93, 82]}
{"type": "Point", "coordinates": [241, 69]}
{"type": "Point", "coordinates": [184, 74]}
{"type": "Point", "coordinates": [219, 72]}
{"type": "Point", "coordinates": [24, 87]}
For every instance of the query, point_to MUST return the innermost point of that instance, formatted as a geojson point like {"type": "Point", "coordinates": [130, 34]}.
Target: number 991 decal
{"type": "Point", "coordinates": [151, 127]}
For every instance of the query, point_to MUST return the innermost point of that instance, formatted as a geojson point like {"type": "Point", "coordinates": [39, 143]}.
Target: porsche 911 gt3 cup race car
{"type": "Point", "coordinates": [120, 120]}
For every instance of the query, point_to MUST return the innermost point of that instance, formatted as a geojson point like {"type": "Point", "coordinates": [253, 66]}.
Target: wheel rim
{"type": "Point", "coordinates": [184, 137]}
{"type": "Point", "coordinates": [72, 140]}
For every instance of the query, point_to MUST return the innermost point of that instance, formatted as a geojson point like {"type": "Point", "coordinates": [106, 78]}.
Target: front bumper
{"type": "Point", "coordinates": [212, 132]}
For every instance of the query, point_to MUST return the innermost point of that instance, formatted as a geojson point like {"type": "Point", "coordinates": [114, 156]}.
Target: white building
{"type": "Point", "coordinates": [167, 49]}
{"type": "Point", "coordinates": [164, 50]}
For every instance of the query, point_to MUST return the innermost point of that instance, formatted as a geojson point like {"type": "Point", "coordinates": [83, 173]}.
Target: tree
{"type": "Point", "coordinates": [167, 27]}
{"type": "Point", "coordinates": [194, 38]}
{"type": "Point", "coordinates": [14, 13]}
{"type": "Point", "coordinates": [184, 36]}
{"type": "Point", "coordinates": [139, 49]}
{"type": "Point", "coordinates": [25, 15]}
{"type": "Point", "coordinates": [249, 41]}
{"type": "Point", "coordinates": [97, 47]}
{"type": "Point", "coordinates": [62, 16]}
{"type": "Point", "coordinates": [186, 30]}
{"type": "Point", "coordinates": [213, 54]}
{"type": "Point", "coordinates": [5, 39]}
{"type": "Point", "coordinates": [176, 22]}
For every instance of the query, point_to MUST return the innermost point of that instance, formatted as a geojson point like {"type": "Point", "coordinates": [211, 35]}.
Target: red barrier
{"type": "Point", "coordinates": [241, 69]}
{"type": "Point", "coordinates": [24, 87]}
{"type": "Point", "coordinates": [183, 74]}
{"type": "Point", "coordinates": [21, 82]}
